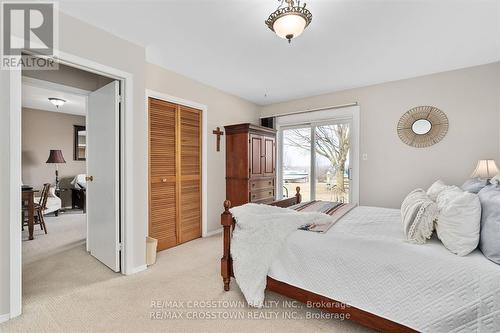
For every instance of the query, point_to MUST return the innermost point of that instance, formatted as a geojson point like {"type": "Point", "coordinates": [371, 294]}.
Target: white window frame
{"type": "Point", "coordinates": [313, 119]}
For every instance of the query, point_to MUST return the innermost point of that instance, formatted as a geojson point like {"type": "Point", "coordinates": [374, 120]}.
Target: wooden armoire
{"type": "Point", "coordinates": [250, 164]}
{"type": "Point", "coordinates": [174, 173]}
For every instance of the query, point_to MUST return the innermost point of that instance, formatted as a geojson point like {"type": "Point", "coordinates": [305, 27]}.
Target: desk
{"type": "Point", "coordinates": [28, 198]}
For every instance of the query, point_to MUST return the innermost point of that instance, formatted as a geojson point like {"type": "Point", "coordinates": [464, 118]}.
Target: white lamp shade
{"type": "Point", "coordinates": [289, 25]}
{"type": "Point", "coordinates": [485, 169]}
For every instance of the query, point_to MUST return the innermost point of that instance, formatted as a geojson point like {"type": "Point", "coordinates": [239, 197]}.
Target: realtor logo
{"type": "Point", "coordinates": [28, 35]}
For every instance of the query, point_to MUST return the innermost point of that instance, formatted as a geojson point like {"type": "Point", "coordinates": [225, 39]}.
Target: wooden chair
{"type": "Point", "coordinates": [40, 207]}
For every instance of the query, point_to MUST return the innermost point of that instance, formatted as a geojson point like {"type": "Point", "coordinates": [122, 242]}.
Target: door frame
{"type": "Point", "coordinates": [126, 194]}
{"type": "Point", "coordinates": [318, 118]}
{"type": "Point", "coordinates": [204, 155]}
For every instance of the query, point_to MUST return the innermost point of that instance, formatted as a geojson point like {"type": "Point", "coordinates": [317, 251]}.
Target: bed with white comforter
{"type": "Point", "coordinates": [364, 261]}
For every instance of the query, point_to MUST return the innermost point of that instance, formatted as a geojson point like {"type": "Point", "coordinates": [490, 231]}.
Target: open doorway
{"type": "Point", "coordinates": [70, 137]}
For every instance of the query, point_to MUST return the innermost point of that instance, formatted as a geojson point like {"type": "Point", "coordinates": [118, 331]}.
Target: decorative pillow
{"type": "Point", "coordinates": [489, 242]}
{"type": "Point", "coordinates": [474, 185]}
{"type": "Point", "coordinates": [459, 219]}
{"type": "Point", "coordinates": [418, 213]}
{"type": "Point", "coordinates": [436, 188]}
{"type": "Point", "coordinates": [495, 180]}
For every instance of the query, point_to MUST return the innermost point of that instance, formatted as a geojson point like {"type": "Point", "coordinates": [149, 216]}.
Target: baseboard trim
{"type": "Point", "coordinates": [136, 270]}
{"type": "Point", "coordinates": [4, 317]}
{"type": "Point", "coordinates": [214, 232]}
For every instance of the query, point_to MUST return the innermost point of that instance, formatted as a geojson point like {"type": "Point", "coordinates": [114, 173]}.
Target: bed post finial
{"type": "Point", "coordinates": [227, 205]}
{"type": "Point", "coordinates": [298, 195]}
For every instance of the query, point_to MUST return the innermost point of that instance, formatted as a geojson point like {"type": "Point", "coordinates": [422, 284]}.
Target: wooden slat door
{"type": "Point", "coordinates": [189, 173]}
{"type": "Point", "coordinates": [162, 173]}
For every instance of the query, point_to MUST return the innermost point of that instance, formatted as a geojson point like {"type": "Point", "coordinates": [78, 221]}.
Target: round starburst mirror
{"type": "Point", "coordinates": [423, 126]}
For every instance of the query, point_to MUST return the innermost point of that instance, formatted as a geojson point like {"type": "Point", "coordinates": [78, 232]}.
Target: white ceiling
{"type": "Point", "coordinates": [36, 95]}
{"type": "Point", "coordinates": [350, 43]}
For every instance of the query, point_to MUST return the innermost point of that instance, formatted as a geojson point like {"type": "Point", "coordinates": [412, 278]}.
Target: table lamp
{"type": "Point", "coordinates": [485, 169]}
{"type": "Point", "coordinates": [56, 157]}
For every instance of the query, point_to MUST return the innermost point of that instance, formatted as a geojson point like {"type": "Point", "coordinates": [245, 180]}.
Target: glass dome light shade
{"type": "Point", "coordinates": [289, 26]}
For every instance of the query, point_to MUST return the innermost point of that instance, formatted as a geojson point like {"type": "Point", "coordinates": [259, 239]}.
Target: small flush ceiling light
{"type": "Point", "coordinates": [289, 21]}
{"type": "Point", "coordinates": [57, 101]}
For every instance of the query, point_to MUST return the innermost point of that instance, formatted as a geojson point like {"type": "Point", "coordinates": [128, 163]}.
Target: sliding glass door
{"type": "Point", "coordinates": [296, 161]}
{"type": "Point", "coordinates": [332, 150]}
{"type": "Point", "coordinates": [316, 157]}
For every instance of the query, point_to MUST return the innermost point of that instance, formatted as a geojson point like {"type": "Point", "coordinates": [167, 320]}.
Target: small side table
{"type": "Point", "coordinates": [78, 199]}
{"type": "Point", "coordinates": [58, 192]}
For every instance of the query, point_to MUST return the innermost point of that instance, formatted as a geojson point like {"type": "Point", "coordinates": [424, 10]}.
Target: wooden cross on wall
{"type": "Point", "coordinates": [219, 133]}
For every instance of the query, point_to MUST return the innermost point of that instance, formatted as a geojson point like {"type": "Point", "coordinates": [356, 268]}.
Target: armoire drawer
{"type": "Point", "coordinates": [261, 195]}
{"type": "Point", "coordinates": [259, 184]}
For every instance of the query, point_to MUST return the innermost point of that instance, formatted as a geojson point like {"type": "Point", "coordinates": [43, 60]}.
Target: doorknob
{"type": "Point", "coordinates": [164, 180]}
{"type": "Point", "coordinates": [89, 178]}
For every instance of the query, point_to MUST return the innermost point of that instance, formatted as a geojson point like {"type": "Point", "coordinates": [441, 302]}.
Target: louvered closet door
{"type": "Point", "coordinates": [162, 173]}
{"type": "Point", "coordinates": [190, 174]}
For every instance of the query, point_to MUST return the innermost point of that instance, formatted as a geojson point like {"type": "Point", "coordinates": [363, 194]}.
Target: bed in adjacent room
{"type": "Point", "coordinates": [389, 284]}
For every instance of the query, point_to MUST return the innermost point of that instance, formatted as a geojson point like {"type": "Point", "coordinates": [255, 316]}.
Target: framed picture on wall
{"type": "Point", "coordinates": [79, 143]}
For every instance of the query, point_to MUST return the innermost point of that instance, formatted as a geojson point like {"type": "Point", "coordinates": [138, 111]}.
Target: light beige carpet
{"type": "Point", "coordinates": [70, 291]}
{"type": "Point", "coordinates": [63, 232]}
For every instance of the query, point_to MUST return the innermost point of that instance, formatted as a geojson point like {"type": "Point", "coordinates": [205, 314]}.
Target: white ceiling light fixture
{"type": "Point", "coordinates": [57, 101]}
{"type": "Point", "coordinates": [290, 20]}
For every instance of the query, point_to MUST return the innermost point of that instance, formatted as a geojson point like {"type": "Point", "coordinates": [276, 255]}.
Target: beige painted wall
{"type": "Point", "coordinates": [470, 99]}
{"type": "Point", "coordinates": [223, 109]}
{"type": "Point", "coordinates": [42, 131]}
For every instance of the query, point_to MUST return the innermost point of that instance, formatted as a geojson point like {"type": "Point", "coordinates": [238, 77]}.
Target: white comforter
{"type": "Point", "coordinates": [260, 233]}
{"type": "Point", "coordinates": [363, 261]}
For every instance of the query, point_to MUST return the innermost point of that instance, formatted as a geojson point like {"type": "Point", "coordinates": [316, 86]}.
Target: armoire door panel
{"type": "Point", "coordinates": [255, 155]}
{"type": "Point", "coordinates": [268, 160]}
{"type": "Point", "coordinates": [189, 172]}
{"type": "Point", "coordinates": [162, 173]}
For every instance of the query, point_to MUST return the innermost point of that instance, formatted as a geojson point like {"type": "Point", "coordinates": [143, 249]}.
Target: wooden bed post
{"type": "Point", "coordinates": [298, 195]}
{"type": "Point", "coordinates": [226, 219]}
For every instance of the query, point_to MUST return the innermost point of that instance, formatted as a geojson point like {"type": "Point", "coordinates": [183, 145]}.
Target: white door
{"type": "Point", "coordinates": [103, 236]}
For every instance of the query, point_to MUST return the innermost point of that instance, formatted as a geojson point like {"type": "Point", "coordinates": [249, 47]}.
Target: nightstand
{"type": "Point", "coordinates": [58, 192]}
{"type": "Point", "coordinates": [78, 199]}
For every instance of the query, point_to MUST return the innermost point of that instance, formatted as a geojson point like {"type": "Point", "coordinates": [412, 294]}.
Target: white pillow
{"type": "Point", "coordinates": [436, 188]}
{"type": "Point", "coordinates": [459, 220]}
{"type": "Point", "coordinates": [418, 213]}
{"type": "Point", "coordinates": [495, 180]}
{"type": "Point", "coordinates": [52, 192]}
